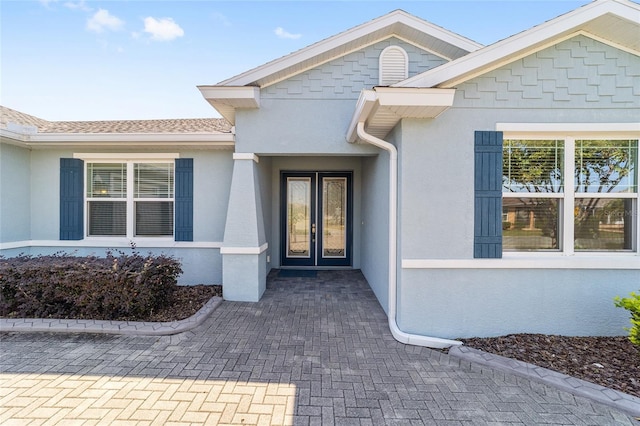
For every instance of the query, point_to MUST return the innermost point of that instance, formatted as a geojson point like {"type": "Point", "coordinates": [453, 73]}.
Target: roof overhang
{"type": "Point", "coordinates": [123, 140]}
{"type": "Point", "coordinates": [398, 23]}
{"type": "Point", "coordinates": [614, 22]}
{"type": "Point", "coordinates": [226, 99]}
{"type": "Point", "coordinates": [382, 108]}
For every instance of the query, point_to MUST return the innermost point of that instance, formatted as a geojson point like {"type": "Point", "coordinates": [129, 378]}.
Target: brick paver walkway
{"type": "Point", "coordinates": [313, 351]}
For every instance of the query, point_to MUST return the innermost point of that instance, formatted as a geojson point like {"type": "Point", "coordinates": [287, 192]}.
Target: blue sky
{"type": "Point", "coordinates": [112, 60]}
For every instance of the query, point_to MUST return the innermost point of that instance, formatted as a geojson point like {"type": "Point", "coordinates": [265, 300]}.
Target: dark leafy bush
{"type": "Point", "coordinates": [117, 286]}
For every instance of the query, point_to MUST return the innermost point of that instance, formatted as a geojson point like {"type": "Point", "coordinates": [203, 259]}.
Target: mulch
{"type": "Point", "coordinates": [613, 362]}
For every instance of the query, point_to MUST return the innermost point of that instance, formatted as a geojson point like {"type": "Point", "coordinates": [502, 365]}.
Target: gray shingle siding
{"type": "Point", "coordinates": [577, 73]}
{"type": "Point", "coordinates": [345, 77]}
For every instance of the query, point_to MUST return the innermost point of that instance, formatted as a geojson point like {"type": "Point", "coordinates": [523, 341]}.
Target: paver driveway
{"type": "Point", "coordinates": [313, 351]}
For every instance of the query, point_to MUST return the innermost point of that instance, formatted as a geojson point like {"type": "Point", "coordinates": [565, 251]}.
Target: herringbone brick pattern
{"type": "Point", "coordinates": [312, 351]}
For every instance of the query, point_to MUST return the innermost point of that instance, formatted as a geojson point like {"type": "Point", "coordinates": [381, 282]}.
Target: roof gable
{"type": "Point", "coordinates": [401, 24]}
{"type": "Point", "coordinates": [613, 22]}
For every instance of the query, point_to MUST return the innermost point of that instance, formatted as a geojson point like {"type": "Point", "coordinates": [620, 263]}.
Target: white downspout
{"type": "Point", "coordinates": [399, 335]}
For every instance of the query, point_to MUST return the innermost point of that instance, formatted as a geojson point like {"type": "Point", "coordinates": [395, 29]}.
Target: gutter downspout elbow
{"type": "Point", "coordinates": [399, 335]}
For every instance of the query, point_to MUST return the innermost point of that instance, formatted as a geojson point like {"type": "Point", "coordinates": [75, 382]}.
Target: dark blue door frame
{"type": "Point", "coordinates": [314, 228]}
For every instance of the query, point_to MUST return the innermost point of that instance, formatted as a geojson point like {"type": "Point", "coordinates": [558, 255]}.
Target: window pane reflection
{"type": "Point", "coordinates": [530, 224]}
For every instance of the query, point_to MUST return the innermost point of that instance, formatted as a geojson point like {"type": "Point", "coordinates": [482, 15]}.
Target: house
{"type": "Point", "coordinates": [482, 190]}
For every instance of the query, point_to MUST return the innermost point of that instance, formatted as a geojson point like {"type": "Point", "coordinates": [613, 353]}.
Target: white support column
{"type": "Point", "coordinates": [243, 252]}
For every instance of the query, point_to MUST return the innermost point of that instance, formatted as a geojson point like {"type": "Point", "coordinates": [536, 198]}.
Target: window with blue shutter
{"type": "Point", "coordinates": [488, 195]}
{"type": "Point", "coordinates": [71, 199]}
{"type": "Point", "coordinates": [184, 199]}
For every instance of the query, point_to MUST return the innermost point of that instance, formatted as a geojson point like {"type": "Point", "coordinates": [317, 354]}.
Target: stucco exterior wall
{"type": "Point", "coordinates": [200, 259]}
{"type": "Point", "coordinates": [310, 112]}
{"type": "Point", "coordinates": [459, 303]}
{"type": "Point", "coordinates": [374, 225]}
{"type": "Point", "coordinates": [15, 193]}
{"type": "Point", "coordinates": [437, 200]}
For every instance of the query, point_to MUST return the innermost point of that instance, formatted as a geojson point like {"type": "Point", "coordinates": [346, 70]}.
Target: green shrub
{"type": "Point", "coordinates": [632, 304]}
{"type": "Point", "coordinates": [64, 286]}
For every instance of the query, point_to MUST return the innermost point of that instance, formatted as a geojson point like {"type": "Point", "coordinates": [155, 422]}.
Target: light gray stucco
{"type": "Point", "coordinates": [15, 193]}
{"type": "Point", "coordinates": [458, 303]}
{"type": "Point", "coordinates": [374, 225]}
{"type": "Point", "coordinates": [437, 201]}
{"type": "Point", "coordinates": [38, 194]}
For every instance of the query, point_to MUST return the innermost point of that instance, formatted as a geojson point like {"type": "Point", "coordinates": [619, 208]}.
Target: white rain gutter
{"type": "Point", "coordinates": [399, 335]}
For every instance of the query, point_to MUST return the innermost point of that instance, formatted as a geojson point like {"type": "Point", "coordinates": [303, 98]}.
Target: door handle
{"type": "Point", "coordinates": [313, 232]}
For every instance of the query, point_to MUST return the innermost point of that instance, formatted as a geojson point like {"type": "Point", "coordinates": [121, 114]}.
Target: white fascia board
{"type": "Point", "coordinates": [46, 140]}
{"type": "Point", "coordinates": [529, 41]}
{"type": "Point", "coordinates": [236, 96]}
{"type": "Point", "coordinates": [348, 36]}
{"type": "Point", "coordinates": [371, 100]}
{"type": "Point", "coordinates": [130, 139]}
{"type": "Point", "coordinates": [396, 96]}
{"type": "Point", "coordinates": [13, 138]}
{"type": "Point", "coordinates": [226, 99]}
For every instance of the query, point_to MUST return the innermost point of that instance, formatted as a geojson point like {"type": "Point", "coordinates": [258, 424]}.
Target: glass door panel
{"type": "Point", "coordinates": [334, 217]}
{"type": "Point", "coordinates": [298, 217]}
{"type": "Point", "coordinates": [316, 219]}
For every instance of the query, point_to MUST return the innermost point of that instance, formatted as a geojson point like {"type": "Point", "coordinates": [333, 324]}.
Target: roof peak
{"type": "Point", "coordinates": [398, 22]}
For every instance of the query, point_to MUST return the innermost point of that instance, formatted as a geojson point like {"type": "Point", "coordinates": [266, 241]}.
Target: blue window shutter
{"type": "Point", "coordinates": [488, 195]}
{"type": "Point", "coordinates": [184, 199]}
{"type": "Point", "coordinates": [71, 199]}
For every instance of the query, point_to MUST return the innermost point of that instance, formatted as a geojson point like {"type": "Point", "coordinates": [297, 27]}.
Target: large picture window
{"type": "Point", "coordinates": [570, 195]}
{"type": "Point", "coordinates": [130, 199]}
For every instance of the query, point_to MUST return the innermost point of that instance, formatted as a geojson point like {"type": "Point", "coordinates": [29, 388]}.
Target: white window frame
{"type": "Point", "coordinates": [570, 133]}
{"type": "Point", "coordinates": [130, 160]}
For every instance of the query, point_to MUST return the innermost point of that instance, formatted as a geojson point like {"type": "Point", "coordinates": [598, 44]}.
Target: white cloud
{"type": "Point", "coordinates": [46, 3]}
{"type": "Point", "coordinates": [282, 33]}
{"type": "Point", "coordinates": [163, 29]}
{"type": "Point", "coordinates": [222, 19]}
{"type": "Point", "coordinates": [78, 5]}
{"type": "Point", "coordinates": [103, 20]}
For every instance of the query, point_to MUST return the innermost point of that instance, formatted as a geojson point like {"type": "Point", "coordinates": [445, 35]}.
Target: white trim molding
{"type": "Point", "coordinates": [382, 108]}
{"type": "Point", "coordinates": [227, 99]}
{"type": "Point", "coordinates": [112, 243]}
{"type": "Point", "coordinates": [618, 261]}
{"type": "Point", "coordinates": [245, 250]}
{"type": "Point", "coordinates": [246, 156]}
{"type": "Point", "coordinates": [537, 130]}
{"type": "Point", "coordinates": [121, 140]}
{"type": "Point", "coordinates": [119, 156]}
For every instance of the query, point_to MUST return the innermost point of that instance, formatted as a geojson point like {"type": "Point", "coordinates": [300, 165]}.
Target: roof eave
{"type": "Point", "coordinates": [382, 108]}
{"type": "Point", "coordinates": [128, 140]}
{"type": "Point", "coordinates": [320, 48]}
{"type": "Point", "coordinates": [227, 99]}
{"type": "Point", "coordinates": [519, 45]}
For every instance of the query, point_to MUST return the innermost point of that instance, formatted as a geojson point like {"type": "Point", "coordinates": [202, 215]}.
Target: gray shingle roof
{"type": "Point", "coordinates": [188, 125]}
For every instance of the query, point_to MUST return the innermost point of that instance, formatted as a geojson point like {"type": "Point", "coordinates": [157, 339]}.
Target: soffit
{"type": "Point", "coordinates": [382, 108]}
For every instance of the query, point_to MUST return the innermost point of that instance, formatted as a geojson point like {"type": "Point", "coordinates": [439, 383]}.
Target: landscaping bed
{"type": "Point", "coordinates": [613, 362]}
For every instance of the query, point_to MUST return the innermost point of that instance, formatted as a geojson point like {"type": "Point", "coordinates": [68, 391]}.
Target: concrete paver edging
{"type": "Point", "coordinates": [110, 327]}
{"type": "Point", "coordinates": [612, 398]}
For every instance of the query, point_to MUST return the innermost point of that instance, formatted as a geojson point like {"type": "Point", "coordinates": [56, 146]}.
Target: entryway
{"type": "Point", "coordinates": [316, 219]}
